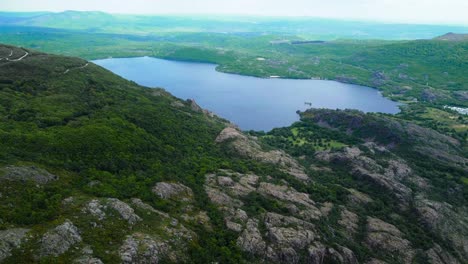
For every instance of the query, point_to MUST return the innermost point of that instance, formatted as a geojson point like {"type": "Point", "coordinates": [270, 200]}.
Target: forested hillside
{"type": "Point", "coordinates": [96, 169]}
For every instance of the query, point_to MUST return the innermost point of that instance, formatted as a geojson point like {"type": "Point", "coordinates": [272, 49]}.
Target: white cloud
{"type": "Point", "coordinates": [418, 11]}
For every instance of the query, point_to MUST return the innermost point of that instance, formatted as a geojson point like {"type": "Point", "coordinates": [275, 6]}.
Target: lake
{"type": "Point", "coordinates": [250, 102]}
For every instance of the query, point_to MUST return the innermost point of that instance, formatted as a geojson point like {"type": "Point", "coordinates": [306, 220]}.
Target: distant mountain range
{"type": "Point", "coordinates": [145, 24]}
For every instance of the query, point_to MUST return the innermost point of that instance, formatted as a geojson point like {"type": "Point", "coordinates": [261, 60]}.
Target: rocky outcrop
{"type": "Point", "coordinates": [96, 209]}
{"type": "Point", "coordinates": [387, 238]}
{"type": "Point", "coordinates": [282, 238]}
{"type": "Point", "coordinates": [445, 221]}
{"type": "Point", "coordinates": [249, 147]}
{"type": "Point", "coordinates": [319, 254]}
{"type": "Point", "coordinates": [366, 168]}
{"type": "Point", "coordinates": [26, 173]}
{"type": "Point", "coordinates": [194, 106]}
{"type": "Point", "coordinates": [437, 255]}
{"type": "Point", "coordinates": [58, 240]}
{"type": "Point", "coordinates": [390, 133]}
{"type": "Point", "coordinates": [177, 104]}
{"type": "Point", "coordinates": [99, 209]}
{"type": "Point", "coordinates": [289, 194]}
{"type": "Point", "coordinates": [142, 249]}
{"type": "Point", "coordinates": [349, 221]}
{"type": "Point", "coordinates": [358, 198]}
{"type": "Point", "coordinates": [138, 203]}
{"type": "Point", "coordinates": [125, 211]}
{"type": "Point", "coordinates": [287, 234]}
{"type": "Point", "coordinates": [11, 239]}
{"type": "Point", "coordinates": [222, 199]}
{"type": "Point", "coordinates": [175, 191]}
{"type": "Point", "coordinates": [251, 241]}
{"type": "Point", "coordinates": [316, 253]}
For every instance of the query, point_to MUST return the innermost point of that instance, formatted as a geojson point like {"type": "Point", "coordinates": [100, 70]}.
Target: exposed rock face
{"type": "Point", "coordinates": [288, 194]}
{"type": "Point", "coordinates": [284, 237]}
{"type": "Point", "coordinates": [358, 198]}
{"type": "Point", "coordinates": [363, 167]}
{"type": "Point", "coordinates": [319, 254]}
{"type": "Point", "coordinates": [387, 238]}
{"type": "Point", "coordinates": [95, 208]}
{"type": "Point", "coordinates": [251, 240]}
{"type": "Point", "coordinates": [249, 147]}
{"type": "Point", "coordinates": [390, 133]}
{"type": "Point", "coordinates": [230, 133]}
{"type": "Point", "coordinates": [225, 181]}
{"type": "Point", "coordinates": [287, 236]}
{"type": "Point", "coordinates": [226, 191]}
{"type": "Point", "coordinates": [168, 190]}
{"type": "Point", "coordinates": [26, 173]}
{"type": "Point", "coordinates": [349, 221]}
{"type": "Point", "coordinates": [9, 240]}
{"type": "Point", "coordinates": [140, 204]}
{"type": "Point", "coordinates": [222, 199]}
{"type": "Point", "coordinates": [98, 209]}
{"type": "Point", "coordinates": [142, 249]}
{"type": "Point", "coordinates": [194, 106]}
{"type": "Point", "coordinates": [437, 255]}
{"type": "Point", "coordinates": [58, 240]}
{"type": "Point", "coordinates": [177, 104]}
{"type": "Point", "coordinates": [316, 253]}
{"type": "Point", "coordinates": [443, 220]}
{"type": "Point", "coordinates": [126, 212]}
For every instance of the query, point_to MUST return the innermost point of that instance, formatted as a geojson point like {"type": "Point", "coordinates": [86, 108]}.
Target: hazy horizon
{"type": "Point", "coordinates": [397, 11]}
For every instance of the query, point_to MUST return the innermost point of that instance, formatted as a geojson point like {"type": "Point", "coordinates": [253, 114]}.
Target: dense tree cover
{"type": "Point", "coordinates": [108, 137]}
{"type": "Point", "coordinates": [104, 137]}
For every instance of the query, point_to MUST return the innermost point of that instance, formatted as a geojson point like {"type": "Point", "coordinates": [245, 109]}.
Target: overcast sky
{"type": "Point", "coordinates": [418, 11]}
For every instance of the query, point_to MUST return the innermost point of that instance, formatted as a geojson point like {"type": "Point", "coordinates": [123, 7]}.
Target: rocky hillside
{"type": "Point", "coordinates": [96, 169]}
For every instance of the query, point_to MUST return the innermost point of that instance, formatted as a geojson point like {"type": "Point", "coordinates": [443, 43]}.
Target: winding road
{"type": "Point", "coordinates": [24, 56]}
{"type": "Point", "coordinates": [11, 54]}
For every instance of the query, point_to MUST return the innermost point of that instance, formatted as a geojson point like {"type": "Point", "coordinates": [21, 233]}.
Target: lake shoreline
{"type": "Point", "coordinates": [251, 102]}
{"type": "Point", "coordinates": [218, 69]}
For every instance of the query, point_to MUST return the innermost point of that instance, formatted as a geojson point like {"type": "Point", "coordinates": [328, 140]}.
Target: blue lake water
{"type": "Point", "coordinates": [251, 103]}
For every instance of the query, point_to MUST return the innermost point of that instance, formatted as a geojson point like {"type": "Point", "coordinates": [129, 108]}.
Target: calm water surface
{"type": "Point", "coordinates": [251, 103]}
